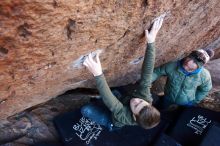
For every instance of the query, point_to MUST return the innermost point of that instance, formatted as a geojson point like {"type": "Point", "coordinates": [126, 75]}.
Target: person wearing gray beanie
{"type": "Point", "coordinates": [188, 82]}
{"type": "Point", "coordinates": [201, 57]}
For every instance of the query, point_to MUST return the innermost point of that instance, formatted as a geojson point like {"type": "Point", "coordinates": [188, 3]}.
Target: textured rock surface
{"type": "Point", "coordinates": [36, 125]}
{"type": "Point", "coordinates": [214, 68]}
{"type": "Point", "coordinates": [42, 41]}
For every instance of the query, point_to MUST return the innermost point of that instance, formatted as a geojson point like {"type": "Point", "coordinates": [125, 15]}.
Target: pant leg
{"type": "Point", "coordinates": [156, 99]}
{"type": "Point", "coordinates": [98, 114]}
{"type": "Point", "coordinates": [161, 102]}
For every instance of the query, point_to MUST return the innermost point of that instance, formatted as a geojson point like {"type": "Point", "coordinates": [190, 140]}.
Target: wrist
{"type": "Point", "coordinates": [97, 74]}
{"type": "Point", "coordinates": [150, 41]}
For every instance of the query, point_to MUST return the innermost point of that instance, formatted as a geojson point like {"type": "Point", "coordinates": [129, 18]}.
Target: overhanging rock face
{"type": "Point", "coordinates": [42, 42]}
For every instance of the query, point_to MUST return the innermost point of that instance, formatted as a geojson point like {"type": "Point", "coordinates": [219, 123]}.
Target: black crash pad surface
{"type": "Point", "coordinates": [47, 144]}
{"type": "Point", "coordinates": [192, 125]}
{"type": "Point", "coordinates": [76, 130]}
{"type": "Point", "coordinates": [165, 140]}
{"type": "Point", "coordinates": [185, 127]}
{"type": "Point", "coordinates": [212, 137]}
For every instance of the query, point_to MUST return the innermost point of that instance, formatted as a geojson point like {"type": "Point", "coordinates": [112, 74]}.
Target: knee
{"type": "Point", "coordinates": [86, 110]}
{"type": "Point", "coordinates": [103, 120]}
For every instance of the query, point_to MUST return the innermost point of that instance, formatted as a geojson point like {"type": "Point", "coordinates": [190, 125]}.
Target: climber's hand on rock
{"type": "Point", "coordinates": [151, 36]}
{"type": "Point", "coordinates": [93, 66]}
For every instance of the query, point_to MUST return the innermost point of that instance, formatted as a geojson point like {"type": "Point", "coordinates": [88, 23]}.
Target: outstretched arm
{"type": "Point", "coordinates": [143, 90]}
{"type": "Point", "coordinates": [108, 98]}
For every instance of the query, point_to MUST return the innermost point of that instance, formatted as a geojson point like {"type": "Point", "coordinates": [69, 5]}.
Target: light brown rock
{"type": "Point", "coordinates": [214, 69]}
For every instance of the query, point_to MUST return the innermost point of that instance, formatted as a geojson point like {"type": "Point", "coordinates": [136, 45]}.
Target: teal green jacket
{"type": "Point", "coordinates": [182, 89]}
{"type": "Point", "coordinates": [121, 112]}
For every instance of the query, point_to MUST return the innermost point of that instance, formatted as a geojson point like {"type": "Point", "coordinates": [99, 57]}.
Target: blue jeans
{"type": "Point", "coordinates": [99, 114]}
